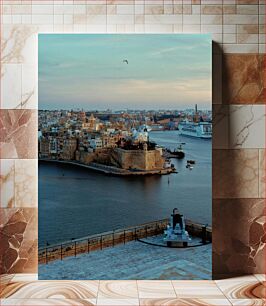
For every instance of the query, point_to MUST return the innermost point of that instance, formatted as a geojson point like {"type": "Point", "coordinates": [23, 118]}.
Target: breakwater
{"type": "Point", "coordinates": [111, 170]}
{"type": "Point", "coordinates": [110, 239]}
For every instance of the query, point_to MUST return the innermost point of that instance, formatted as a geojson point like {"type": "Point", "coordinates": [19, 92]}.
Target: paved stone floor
{"type": "Point", "coordinates": [134, 260]}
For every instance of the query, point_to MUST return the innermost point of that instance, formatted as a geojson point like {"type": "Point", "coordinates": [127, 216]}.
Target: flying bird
{"type": "Point", "coordinates": [125, 61]}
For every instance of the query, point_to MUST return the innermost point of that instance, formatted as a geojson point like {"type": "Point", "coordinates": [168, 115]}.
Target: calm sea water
{"type": "Point", "coordinates": [76, 202]}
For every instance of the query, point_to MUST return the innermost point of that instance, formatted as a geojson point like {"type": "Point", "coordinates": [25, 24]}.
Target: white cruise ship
{"type": "Point", "coordinates": [196, 129]}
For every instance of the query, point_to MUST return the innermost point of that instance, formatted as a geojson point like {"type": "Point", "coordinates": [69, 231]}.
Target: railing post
{"type": "Point", "coordinates": [88, 246]}
{"type": "Point", "coordinates": [146, 228]}
{"type": "Point", "coordinates": [61, 252]}
{"type": "Point", "coordinates": [204, 234]}
{"type": "Point", "coordinates": [135, 233]}
{"type": "Point", "coordinates": [75, 248]}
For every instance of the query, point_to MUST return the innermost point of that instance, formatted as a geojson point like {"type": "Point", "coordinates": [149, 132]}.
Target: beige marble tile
{"type": "Point", "coordinates": [19, 44]}
{"type": "Point", "coordinates": [240, 19]}
{"type": "Point", "coordinates": [211, 9]}
{"type": "Point", "coordinates": [235, 173]}
{"type": "Point", "coordinates": [29, 90]}
{"type": "Point", "coordinates": [48, 302]}
{"type": "Point", "coordinates": [260, 277]}
{"type": "Point", "coordinates": [240, 49]}
{"type": "Point", "coordinates": [262, 170]}
{"type": "Point", "coordinates": [247, 9]}
{"type": "Point", "coordinates": [5, 279]}
{"type": "Point", "coordinates": [164, 289]}
{"type": "Point", "coordinates": [18, 134]}
{"type": "Point", "coordinates": [229, 38]}
{"type": "Point", "coordinates": [163, 19]}
{"type": "Point", "coordinates": [52, 290]}
{"type": "Point", "coordinates": [7, 183]}
{"type": "Point", "coordinates": [10, 85]}
{"type": "Point", "coordinates": [184, 302]}
{"type": "Point", "coordinates": [24, 277]}
{"type": "Point", "coordinates": [26, 182]}
{"type": "Point", "coordinates": [246, 287]}
{"type": "Point", "coordinates": [117, 302]}
{"type": "Point", "coordinates": [248, 302]}
{"type": "Point", "coordinates": [248, 29]}
{"type": "Point", "coordinates": [118, 290]}
{"type": "Point", "coordinates": [197, 289]}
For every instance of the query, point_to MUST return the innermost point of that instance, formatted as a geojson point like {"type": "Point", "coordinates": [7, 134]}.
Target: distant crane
{"type": "Point", "coordinates": [125, 61]}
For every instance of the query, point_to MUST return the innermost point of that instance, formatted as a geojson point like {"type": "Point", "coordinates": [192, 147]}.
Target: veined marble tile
{"type": "Point", "coordinates": [248, 302]}
{"type": "Point", "coordinates": [184, 302]}
{"type": "Point", "coordinates": [11, 85]}
{"type": "Point", "coordinates": [243, 79]}
{"type": "Point", "coordinates": [163, 19]}
{"type": "Point", "coordinates": [211, 9]}
{"type": "Point", "coordinates": [118, 290]}
{"type": "Point", "coordinates": [260, 277]}
{"type": "Point", "coordinates": [29, 91]}
{"type": "Point", "coordinates": [262, 174]}
{"type": "Point", "coordinates": [235, 173]}
{"type": "Point", "coordinates": [52, 290]}
{"type": "Point", "coordinates": [240, 49]}
{"type": "Point", "coordinates": [164, 289]}
{"type": "Point", "coordinates": [5, 279]}
{"type": "Point", "coordinates": [18, 134]}
{"type": "Point", "coordinates": [19, 44]}
{"type": "Point", "coordinates": [19, 183]}
{"type": "Point", "coordinates": [48, 302]}
{"type": "Point", "coordinates": [248, 29]}
{"type": "Point", "coordinates": [159, 28]}
{"type": "Point", "coordinates": [7, 183]}
{"type": "Point", "coordinates": [26, 182]}
{"type": "Point", "coordinates": [247, 126]}
{"type": "Point", "coordinates": [18, 232]}
{"type": "Point", "coordinates": [117, 302]}
{"type": "Point", "coordinates": [197, 289]}
{"type": "Point", "coordinates": [242, 290]}
{"type": "Point", "coordinates": [24, 277]}
{"type": "Point", "coordinates": [238, 244]}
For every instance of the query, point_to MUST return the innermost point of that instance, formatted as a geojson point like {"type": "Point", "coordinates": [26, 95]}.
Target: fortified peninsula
{"type": "Point", "coordinates": [110, 142]}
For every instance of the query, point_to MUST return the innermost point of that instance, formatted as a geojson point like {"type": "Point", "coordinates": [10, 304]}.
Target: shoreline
{"type": "Point", "coordinates": [111, 170]}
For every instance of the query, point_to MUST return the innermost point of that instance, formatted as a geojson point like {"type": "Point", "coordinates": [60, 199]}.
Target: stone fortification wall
{"type": "Point", "coordinates": [138, 159]}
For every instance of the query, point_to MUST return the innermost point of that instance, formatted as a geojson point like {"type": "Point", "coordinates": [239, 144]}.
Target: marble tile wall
{"type": "Point", "coordinates": [238, 32]}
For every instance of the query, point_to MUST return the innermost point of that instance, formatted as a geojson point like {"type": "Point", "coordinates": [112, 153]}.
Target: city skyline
{"type": "Point", "coordinates": [119, 72]}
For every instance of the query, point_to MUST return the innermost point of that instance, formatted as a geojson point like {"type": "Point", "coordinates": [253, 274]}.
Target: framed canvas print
{"type": "Point", "coordinates": [151, 181]}
{"type": "Point", "coordinates": [124, 145]}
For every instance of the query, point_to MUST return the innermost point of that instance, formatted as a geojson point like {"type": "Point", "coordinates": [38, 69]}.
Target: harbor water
{"type": "Point", "coordinates": [76, 202]}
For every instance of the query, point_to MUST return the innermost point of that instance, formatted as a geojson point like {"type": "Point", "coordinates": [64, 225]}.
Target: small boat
{"type": "Point", "coordinates": [178, 152]}
{"type": "Point", "coordinates": [189, 164]}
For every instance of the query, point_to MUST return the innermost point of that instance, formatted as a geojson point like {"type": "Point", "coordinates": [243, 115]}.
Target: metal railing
{"type": "Point", "coordinates": [101, 241]}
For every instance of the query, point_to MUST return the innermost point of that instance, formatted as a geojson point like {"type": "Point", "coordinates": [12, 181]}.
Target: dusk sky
{"type": "Point", "coordinates": [87, 71]}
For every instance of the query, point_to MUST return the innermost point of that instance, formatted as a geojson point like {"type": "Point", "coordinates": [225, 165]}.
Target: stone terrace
{"type": "Point", "coordinates": [134, 260]}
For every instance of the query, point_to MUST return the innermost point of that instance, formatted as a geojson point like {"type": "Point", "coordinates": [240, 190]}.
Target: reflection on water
{"type": "Point", "coordinates": [75, 202]}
